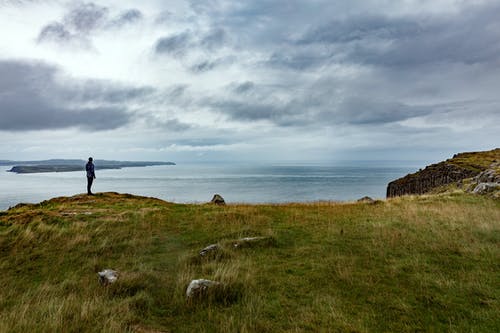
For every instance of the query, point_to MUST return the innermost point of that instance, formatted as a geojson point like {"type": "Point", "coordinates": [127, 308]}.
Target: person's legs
{"type": "Point", "coordinates": [89, 184]}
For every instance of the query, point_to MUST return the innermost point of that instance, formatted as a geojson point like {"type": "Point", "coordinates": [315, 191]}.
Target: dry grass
{"type": "Point", "coordinates": [427, 263]}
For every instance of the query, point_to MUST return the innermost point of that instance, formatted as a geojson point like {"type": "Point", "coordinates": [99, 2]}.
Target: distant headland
{"type": "Point", "coordinates": [67, 165]}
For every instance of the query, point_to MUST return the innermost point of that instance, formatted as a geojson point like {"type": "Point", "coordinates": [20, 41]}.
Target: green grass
{"type": "Point", "coordinates": [476, 161]}
{"type": "Point", "coordinates": [410, 264]}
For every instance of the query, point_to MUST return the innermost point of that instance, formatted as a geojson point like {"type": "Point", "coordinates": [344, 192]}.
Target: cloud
{"type": "Point", "coordinates": [86, 17]}
{"type": "Point", "coordinates": [176, 44]}
{"type": "Point", "coordinates": [100, 91]}
{"type": "Point", "coordinates": [362, 111]}
{"type": "Point", "coordinates": [181, 43]}
{"type": "Point", "coordinates": [54, 32]}
{"type": "Point", "coordinates": [32, 98]}
{"type": "Point", "coordinates": [127, 17]}
{"type": "Point", "coordinates": [175, 125]}
{"type": "Point", "coordinates": [362, 28]}
{"type": "Point", "coordinates": [244, 87]}
{"type": "Point", "coordinates": [214, 38]}
{"type": "Point", "coordinates": [467, 37]}
{"type": "Point", "coordinates": [81, 21]}
{"type": "Point", "coordinates": [325, 73]}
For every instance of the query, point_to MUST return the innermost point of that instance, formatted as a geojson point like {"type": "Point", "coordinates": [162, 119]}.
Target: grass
{"type": "Point", "coordinates": [476, 161]}
{"type": "Point", "coordinates": [410, 264]}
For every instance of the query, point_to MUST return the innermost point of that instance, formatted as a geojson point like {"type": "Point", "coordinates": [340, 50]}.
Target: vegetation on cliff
{"type": "Point", "coordinates": [453, 170]}
{"type": "Point", "coordinates": [427, 263]}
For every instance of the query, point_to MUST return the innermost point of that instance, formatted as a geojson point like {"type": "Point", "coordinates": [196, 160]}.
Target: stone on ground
{"type": "Point", "coordinates": [107, 276]}
{"type": "Point", "coordinates": [200, 287]}
{"type": "Point", "coordinates": [218, 200]}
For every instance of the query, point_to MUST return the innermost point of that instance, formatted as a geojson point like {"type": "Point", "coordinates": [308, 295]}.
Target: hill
{"type": "Point", "coordinates": [426, 263]}
{"type": "Point", "coordinates": [452, 171]}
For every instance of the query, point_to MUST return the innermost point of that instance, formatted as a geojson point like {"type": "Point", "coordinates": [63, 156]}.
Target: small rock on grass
{"type": "Point", "coordinates": [218, 200]}
{"type": "Point", "coordinates": [107, 276]}
{"type": "Point", "coordinates": [200, 287]}
{"type": "Point", "coordinates": [212, 248]}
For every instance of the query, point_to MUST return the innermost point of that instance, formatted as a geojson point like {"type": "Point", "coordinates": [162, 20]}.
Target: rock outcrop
{"type": "Point", "coordinates": [218, 200]}
{"type": "Point", "coordinates": [462, 166]}
{"type": "Point", "coordinates": [367, 200]}
{"type": "Point", "coordinates": [427, 179]}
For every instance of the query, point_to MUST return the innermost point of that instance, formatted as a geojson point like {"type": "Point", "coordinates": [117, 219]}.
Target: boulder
{"type": "Point", "coordinates": [200, 288]}
{"type": "Point", "coordinates": [211, 249]}
{"type": "Point", "coordinates": [483, 188]}
{"type": "Point", "coordinates": [366, 200]}
{"type": "Point", "coordinates": [107, 276]}
{"type": "Point", "coordinates": [489, 175]}
{"type": "Point", "coordinates": [218, 200]}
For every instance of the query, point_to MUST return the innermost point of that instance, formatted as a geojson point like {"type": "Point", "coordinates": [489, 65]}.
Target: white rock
{"type": "Point", "coordinates": [482, 188]}
{"type": "Point", "coordinates": [200, 286]}
{"type": "Point", "coordinates": [209, 249]}
{"type": "Point", "coordinates": [107, 276]}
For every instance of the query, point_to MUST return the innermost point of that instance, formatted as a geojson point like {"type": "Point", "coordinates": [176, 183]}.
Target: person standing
{"type": "Point", "coordinates": [89, 167]}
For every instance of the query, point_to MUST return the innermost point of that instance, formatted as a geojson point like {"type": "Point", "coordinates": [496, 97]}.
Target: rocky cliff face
{"type": "Point", "coordinates": [454, 170]}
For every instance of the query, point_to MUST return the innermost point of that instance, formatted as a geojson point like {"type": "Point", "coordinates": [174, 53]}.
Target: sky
{"type": "Point", "coordinates": [312, 81]}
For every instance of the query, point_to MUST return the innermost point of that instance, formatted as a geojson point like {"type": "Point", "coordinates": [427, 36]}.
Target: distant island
{"type": "Point", "coordinates": [64, 165]}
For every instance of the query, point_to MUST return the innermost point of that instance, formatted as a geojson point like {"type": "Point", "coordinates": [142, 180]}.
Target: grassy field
{"type": "Point", "coordinates": [411, 264]}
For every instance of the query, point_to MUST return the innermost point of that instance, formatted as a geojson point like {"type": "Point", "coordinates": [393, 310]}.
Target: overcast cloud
{"type": "Point", "coordinates": [255, 80]}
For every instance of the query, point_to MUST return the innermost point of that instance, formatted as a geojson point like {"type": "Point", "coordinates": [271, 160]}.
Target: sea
{"type": "Point", "coordinates": [197, 183]}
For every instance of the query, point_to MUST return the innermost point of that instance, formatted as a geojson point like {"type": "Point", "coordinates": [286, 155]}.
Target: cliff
{"type": "Point", "coordinates": [453, 170]}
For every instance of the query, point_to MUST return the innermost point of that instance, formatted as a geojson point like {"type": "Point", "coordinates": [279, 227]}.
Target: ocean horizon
{"type": "Point", "coordinates": [197, 183]}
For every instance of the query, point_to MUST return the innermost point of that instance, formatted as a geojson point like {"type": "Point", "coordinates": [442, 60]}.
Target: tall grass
{"type": "Point", "coordinates": [428, 263]}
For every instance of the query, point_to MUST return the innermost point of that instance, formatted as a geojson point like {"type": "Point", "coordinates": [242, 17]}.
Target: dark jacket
{"type": "Point", "coordinates": [90, 170]}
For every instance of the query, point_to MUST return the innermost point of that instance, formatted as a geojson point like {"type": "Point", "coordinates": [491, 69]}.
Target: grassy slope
{"type": "Point", "coordinates": [476, 161]}
{"type": "Point", "coordinates": [428, 263]}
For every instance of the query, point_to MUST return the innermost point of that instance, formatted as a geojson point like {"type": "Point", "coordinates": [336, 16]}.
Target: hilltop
{"type": "Point", "coordinates": [459, 170]}
{"type": "Point", "coordinates": [414, 263]}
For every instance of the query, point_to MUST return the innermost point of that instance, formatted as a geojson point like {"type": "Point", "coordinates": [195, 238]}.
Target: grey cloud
{"type": "Point", "coordinates": [362, 28]}
{"type": "Point", "coordinates": [209, 65]}
{"type": "Point", "coordinates": [296, 60]}
{"type": "Point", "coordinates": [81, 21]}
{"type": "Point", "coordinates": [174, 45]}
{"type": "Point", "coordinates": [175, 125]}
{"type": "Point", "coordinates": [467, 37]}
{"type": "Point", "coordinates": [244, 87]}
{"type": "Point", "coordinates": [240, 110]}
{"type": "Point", "coordinates": [180, 43]}
{"type": "Point", "coordinates": [86, 17]}
{"type": "Point", "coordinates": [164, 17]}
{"type": "Point", "coordinates": [362, 111]}
{"type": "Point", "coordinates": [54, 32]}
{"type": "Point", "coordinates": [214, 39]}
{"type": "Point", "coordinates": [30, 99]}
{"type": "Point", "coordinates": [317, 106]}
{"type": "Point", "coordinates": [128, 17]}
{"type": "Point", "coordinates": [204, 66]}
{"type": "Point", "coordinates": [103, 92]}
{"type": "Point", "coordinates": [281, 114]}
